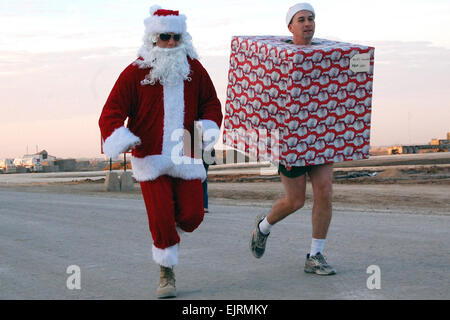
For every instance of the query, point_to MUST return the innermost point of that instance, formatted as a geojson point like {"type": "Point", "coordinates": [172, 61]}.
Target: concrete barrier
{"type": "Point", "coordinates": [126, 181]}
{"type": "Point", "coordinates": [112, 182]}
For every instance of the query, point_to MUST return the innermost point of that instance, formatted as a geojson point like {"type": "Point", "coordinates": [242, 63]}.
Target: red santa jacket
{"type": "Point", "coordinates": [157, 115]}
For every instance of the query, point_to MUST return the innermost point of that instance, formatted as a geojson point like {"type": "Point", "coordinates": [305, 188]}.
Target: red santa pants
{"type": "Point", "coordinates": [172, 202]}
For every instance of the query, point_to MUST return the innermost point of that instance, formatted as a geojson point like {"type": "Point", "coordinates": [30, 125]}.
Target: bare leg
{"type": "Point", "coordinates": [293, 200]}
{"type": "Point", "coordinates": [321, 180]}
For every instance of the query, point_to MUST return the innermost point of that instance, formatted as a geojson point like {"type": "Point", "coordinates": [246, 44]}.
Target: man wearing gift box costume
{"type": "Point", "coordinates": [163, 93]}
{"type": "Point", "coordinates": [300, 20]}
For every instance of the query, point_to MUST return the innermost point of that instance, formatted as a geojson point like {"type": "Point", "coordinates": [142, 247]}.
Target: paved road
{"type": "Point", "coordinates": [41, 235]}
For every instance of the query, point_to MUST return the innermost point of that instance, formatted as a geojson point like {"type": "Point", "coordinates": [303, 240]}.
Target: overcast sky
{"type": "Point", "coordinates": [59, 60]}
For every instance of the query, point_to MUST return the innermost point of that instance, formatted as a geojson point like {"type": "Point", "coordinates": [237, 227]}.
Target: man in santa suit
{"type": "Point", "coordinates": [164, 94]}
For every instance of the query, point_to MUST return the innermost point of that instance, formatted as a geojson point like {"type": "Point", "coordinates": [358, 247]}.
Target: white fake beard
{"type": "Point", "coordinates": [169, 65]}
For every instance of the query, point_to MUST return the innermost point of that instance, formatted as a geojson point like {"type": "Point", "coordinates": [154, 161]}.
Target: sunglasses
{"type": "Point", "coordinates": [167, 36]}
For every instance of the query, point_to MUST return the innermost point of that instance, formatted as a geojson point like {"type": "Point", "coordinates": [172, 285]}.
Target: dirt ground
{"type": "Point", "coordinates": [415, 189]}
{"type": "Point", "coordinates": [406, 198]}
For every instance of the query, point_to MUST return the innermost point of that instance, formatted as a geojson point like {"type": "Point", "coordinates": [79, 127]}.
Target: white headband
{"type": "Point", "coordinates": [296, 8]}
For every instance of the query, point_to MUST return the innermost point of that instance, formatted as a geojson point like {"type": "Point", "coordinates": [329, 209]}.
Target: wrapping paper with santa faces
{"type": "Point", "coordinates": [299, 105]}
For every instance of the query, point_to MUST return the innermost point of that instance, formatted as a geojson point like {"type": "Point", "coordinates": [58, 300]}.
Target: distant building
{"type": "Point", "coordinates": [35, 162]}
{"type": "Point", "coordinates": [7, 166]}
{"type": "Point", "coordinates": [66, 164]}
{"type": "Point", "coordinates": [435, 145]}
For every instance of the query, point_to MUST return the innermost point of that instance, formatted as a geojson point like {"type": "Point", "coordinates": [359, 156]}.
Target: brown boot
{"type": "Point", "coordinates": [166, 287]}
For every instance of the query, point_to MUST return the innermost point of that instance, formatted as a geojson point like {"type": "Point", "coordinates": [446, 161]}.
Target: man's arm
{"type": "Point", "coordinates": [116, 138]}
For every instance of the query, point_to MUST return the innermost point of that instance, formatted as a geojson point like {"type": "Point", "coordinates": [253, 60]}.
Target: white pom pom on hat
{"type": "Point", "coordinates": [296, 8]}
{"type": "Point", "coordinates": [162, 21]}
{"type": "Point", "coordinates": [154, 8]}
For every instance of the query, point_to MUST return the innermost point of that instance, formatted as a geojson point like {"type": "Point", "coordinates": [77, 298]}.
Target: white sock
{"type": "Point", "coordinates": [316, 246]}
{"type": "Point", "coordinates": [265, 226]}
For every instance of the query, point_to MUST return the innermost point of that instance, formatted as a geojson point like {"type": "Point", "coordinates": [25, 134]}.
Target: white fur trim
{"type": "Point", "coordinates": [163, 24]}
{"type": "Point", "coordinates": [119, 141]}
{"type": "Point", "coordinates": [211, 133]}
{"type": "Point", "coordinates": [172, 161]}
{"type": "Point", "coordinates": [151, 167]}
{"type": "Point", "coordinates": [190, 169]}
{"type": "Point", "coordinates": [167, 257]}
{"type": "Point", "coordinates": [173, 117]}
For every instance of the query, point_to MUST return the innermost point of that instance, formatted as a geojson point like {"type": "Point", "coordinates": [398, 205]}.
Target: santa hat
{"type": "Point", "coordinates": [296, 8]}
{"type": "Point", "coordinates": [162, 21]}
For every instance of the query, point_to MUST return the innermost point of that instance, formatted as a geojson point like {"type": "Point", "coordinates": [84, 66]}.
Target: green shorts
{"type": "Point", "coordinates": [295, 172]}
